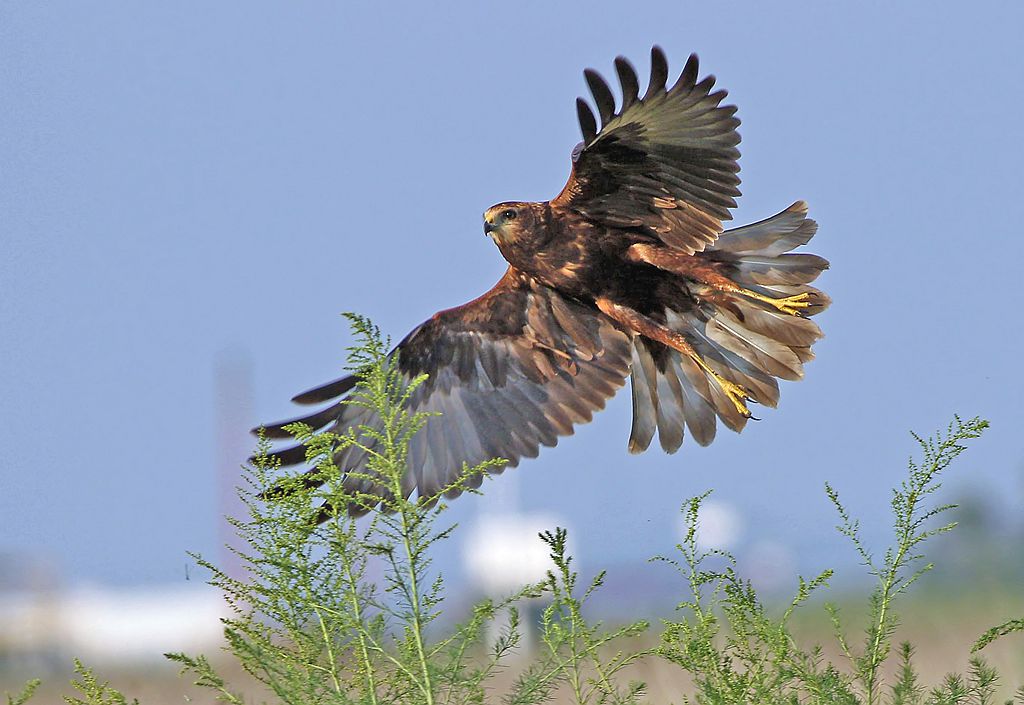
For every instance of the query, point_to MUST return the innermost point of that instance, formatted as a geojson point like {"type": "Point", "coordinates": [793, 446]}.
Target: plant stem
{"type": "Point", "coordinates": [426, 686]}
{"type": "Point", "coordinates": [330, 652]}
{"type": "Point", "coordinates": [417, 616]}
{"type": "Point", "coordinates": [876, 659]}
{"type": "Point", "coordinates": [357, 612]}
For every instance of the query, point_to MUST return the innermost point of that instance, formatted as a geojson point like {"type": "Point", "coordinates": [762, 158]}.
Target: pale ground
{"type": "Point", "coordinates": [942, 629]}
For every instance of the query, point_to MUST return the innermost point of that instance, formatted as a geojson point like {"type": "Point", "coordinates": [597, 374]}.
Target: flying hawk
{"type": "Point", "coordinates": [625, 273]}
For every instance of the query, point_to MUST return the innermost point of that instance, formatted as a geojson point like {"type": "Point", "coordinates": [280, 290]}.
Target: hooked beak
{"type": "Point", "coordinates": [489, 227]}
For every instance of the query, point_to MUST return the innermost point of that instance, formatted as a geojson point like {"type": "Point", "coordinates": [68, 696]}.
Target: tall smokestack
{"type": "Point", "coordinates": [234, 411]}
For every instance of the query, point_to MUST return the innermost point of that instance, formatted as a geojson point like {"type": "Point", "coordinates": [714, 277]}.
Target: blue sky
{"type": "Point", "coordinates": [184, 184]}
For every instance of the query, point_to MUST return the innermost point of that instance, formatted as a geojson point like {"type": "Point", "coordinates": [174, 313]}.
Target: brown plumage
{"type": "Point", "coordinates": [626, 273]}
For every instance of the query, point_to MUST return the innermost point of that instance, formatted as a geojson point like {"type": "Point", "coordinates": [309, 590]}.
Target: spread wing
{"type": "Point", "coordinates": [509, 372]}
{"type": "Point", "coordinates": [666, 162]}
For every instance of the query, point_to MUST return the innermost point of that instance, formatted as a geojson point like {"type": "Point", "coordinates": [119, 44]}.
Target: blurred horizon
{"type": "Point", "coordinates": [193, 193]}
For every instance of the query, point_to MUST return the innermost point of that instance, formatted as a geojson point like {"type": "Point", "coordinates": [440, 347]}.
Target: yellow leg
{"type": "Point", "coordinates": [736, 394]}
{"type": "Point", "coordinates": [655, 331]}
{"type": "Point", "coordinates": [707, 273]}
{"type": "Point", "coordinates": [791, 305]}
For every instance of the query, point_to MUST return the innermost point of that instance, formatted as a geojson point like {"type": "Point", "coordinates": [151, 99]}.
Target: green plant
{"type": "Point", "coordinates": [574, 651]}
{"type": "Point", "coordinates": [1009, 627]}
{"type": "Point", "coordinates": [313, 626]}
{"type": "Point", "coordinates": [93, 692]}
{"type": "Point", "coordinates": [902, 563]}
{"type": "Point", "coordinates": [737, 652]}
{"type": "Point", "coordinates": [347, 610]}
{"type": "Point", "coordinates": [726, 639]}
{"type": "Point", "coordinates": [26, 693]}
{"type": "Point", "coordinates": [309, 624]}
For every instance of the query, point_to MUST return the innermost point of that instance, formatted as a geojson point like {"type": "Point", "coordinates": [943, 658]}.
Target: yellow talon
{"type": "Point", "coordinates": [791, 305]}
{"type": "Point", "coordinates": [737, 395]}
{"type": "Point", "coordinates": [734, 392]}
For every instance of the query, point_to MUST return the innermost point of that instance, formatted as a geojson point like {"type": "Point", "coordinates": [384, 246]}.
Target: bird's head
{"type": "Point", "coordinates": [509, 222]}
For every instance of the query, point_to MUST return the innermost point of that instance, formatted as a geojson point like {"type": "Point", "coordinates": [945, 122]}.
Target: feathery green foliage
{"type": "Point", "coordinates": [1013, 625]}
{"type": "Point", "coordinates": [576, 653]}
{"type": "Point", "coordinates": [737, 653]}
{"type": "Point", "coordinates": [902, 564]}
{"type": "Point", "coordinates": [726, 639]}
{"type": "Point", "coordinates": [26, 693]}
{"type": "Point", "coordinates": [347, 611]}
{"type": "Point", "coordinates": [93, 692]}
{"type": "Point", "coordinates": [310, 622]}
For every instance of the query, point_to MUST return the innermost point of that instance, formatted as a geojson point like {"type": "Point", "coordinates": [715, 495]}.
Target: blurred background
{"type": "Point", "coordinates": [190, 194]}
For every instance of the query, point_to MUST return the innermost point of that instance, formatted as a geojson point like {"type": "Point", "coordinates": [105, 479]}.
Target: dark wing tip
{"type": "Point", "coordinates": [659, 72]}
{"type": "Point", "coordinates": [628, 80]}
{"type": "Point", "coordinates": [315, 421]}
{"type": "Point", "coordinates": [689, 75]}
{"type": "Point", "coordinates": [287, 456]}
{"type": "Point", "coordinates": [326, 392]}
{"type": "Point", "coordinates": [602, 95]}
{"type": "Point", "coordinates": [588, 124]}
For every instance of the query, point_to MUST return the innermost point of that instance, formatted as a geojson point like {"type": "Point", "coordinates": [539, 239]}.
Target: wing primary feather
{"type": "Point", "coordinates": [290, 456]}
{"type": "Point", "coordinates": [688, 145]}
{"type": "Point", "coordinates": [326, 392]}
{"type": "Point", "coordinates": [588, 124]}
{"type": "Point", "coordinates": [602, 95]}
{"type": "Point", "coordinates": [659, 73]}
{"type": "Point", "coordinates": [629, 82]}
{"type": "Point", "coordinates": [688, 77]}
{"type": "Point", "coordinates": [315, 421]}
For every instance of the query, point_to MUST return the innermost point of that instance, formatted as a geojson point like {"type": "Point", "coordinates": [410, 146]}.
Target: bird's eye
{"type": "Point", "coordinates": [509, 215]}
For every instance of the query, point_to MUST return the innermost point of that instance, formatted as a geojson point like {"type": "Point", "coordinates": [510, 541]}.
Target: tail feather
{"type": "Point", "coordinates": [643, 384]}
{"type": "Point", "coordinates": [700, 410]}
{"type": "Point", "coordinates": [670, 393]}
{"type": "Point", "coordinates": [761, 351]}
{"type": "Point", "coordinates": [794, 331]}
{"type": "Point", "coordinates": [745, 341]}
{"type": "Point", "coordinates": [671, 410]}
{"type": "Point", "coordinates": [720, 359]}
{"type": "Point", "coordinates": [760, 384]}
{"type": "Point", "coordinates": [770, 237]}
{"type": "Point", "coordinates": [780, 269]}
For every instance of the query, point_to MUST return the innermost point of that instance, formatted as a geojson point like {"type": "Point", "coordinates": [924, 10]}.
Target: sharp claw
{"type": "Point", "coordinates": [789, 305]}
{"type": "Point", "coordinates": [737, 394]}
{"type": "Point", "coordinates": [793, 305]}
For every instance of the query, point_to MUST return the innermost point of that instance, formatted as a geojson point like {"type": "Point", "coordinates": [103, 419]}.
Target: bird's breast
{"type": "Point", "coordinates": [564, 266]}
{"type": "Point", "coordinates": [571, 256]}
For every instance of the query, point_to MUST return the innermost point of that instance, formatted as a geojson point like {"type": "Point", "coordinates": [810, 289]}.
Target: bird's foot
{"type": "Point", "coordinates": [734, 392]}
{"type": "Point", "coordinates": [790, 305]}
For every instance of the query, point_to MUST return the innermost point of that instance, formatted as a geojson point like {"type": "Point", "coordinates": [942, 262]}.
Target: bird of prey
{"type": "Point", "coordinates": [626, 273]}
